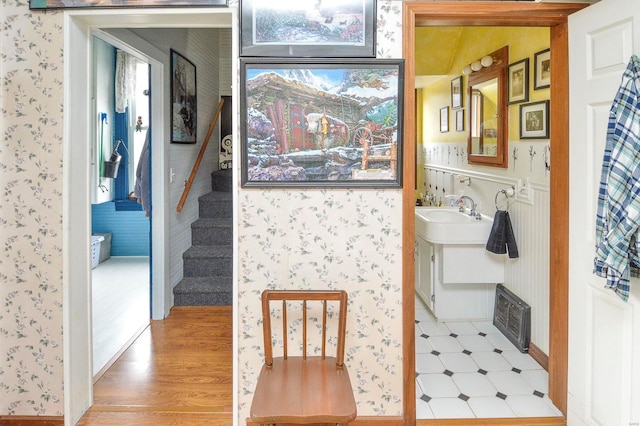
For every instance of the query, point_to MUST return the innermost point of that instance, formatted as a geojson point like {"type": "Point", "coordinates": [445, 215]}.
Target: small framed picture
{"type": "Point", "coordinates": [542, 69]}
{"type": "Point", "coordinates": [456, 92]}
{"type": "Point", "coordinates": [518, 82]}
{"type": "Point", "coordinates": [460, 120]}
{"type": "Point", "coordinates": [444, 119]}
{"type": "Point", "coordinates": [534, 120]}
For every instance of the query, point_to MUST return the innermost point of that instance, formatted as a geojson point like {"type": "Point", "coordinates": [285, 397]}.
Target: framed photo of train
{"type": "Point", "coordinates": [321, 123]}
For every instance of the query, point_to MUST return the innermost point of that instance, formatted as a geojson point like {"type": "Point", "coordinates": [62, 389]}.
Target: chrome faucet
{"type": "Point", "coordinates": [461, 202]}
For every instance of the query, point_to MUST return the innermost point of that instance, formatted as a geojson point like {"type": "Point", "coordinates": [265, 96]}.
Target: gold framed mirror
{"type": "Point", "coordinates": [488, 113]}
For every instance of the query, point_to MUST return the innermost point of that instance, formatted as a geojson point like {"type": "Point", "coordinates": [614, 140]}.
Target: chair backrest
{"type": "Point", "coordinates": [304, 296]}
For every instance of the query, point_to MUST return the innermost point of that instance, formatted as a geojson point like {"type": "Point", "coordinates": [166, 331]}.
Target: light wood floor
{"type": "Point", "coordinates": [178, 372]}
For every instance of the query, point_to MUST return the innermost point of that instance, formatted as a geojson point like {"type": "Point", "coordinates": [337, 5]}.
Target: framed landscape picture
{"type": "Point", "coordinates": [308, 28]}
{"type": "Point", "coordinates": [66, 4]}
{"type": "Point", "coordinates": [321, 123]}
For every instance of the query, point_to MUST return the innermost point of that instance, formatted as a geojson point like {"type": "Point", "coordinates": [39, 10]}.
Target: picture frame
{"type": "Point", "coordinates": [460, 120]}
{"type": "Point", "coordinates": [78, 4]}
{"type": "Point", "coordinates": [534, 120]}
{"type": "Point", "coordinates": [518, 82]}
{"type": "Point", "coordinates": [444, 119]}
{"type": "Point", "coordinates": [456, 92]}
{"type": "Point", "coordinates": [321, 122]}
{"type": "Point", "coordinates": [184, 101]}
{"type": "Point", "coordinates": [304, 28]}
{"type": "Point", "coordinates": [542, 69]}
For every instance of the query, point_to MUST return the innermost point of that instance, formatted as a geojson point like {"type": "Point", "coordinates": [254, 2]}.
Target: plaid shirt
{"type": "Point", "coordinates": [618, 218]}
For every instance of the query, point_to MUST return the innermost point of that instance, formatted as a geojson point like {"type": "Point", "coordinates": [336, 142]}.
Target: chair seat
{"type": "Point", "coordinates": [298, 390]}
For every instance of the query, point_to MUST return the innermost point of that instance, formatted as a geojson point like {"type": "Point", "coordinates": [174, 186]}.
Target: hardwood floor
{"type": "Point", "coordinates": [178, 372]}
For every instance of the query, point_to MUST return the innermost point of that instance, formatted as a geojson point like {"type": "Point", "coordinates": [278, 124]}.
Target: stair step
{"type": "Point", "coordinates": [222, 180]}
{"type": "Point", "coordinates": [211, 231]}
{"type": "Point", "coordinates": [208, 261]}
{"type": "Point", "coordinates": [216, 204]}
{"type": "Point", "coordinates": [204, 291]}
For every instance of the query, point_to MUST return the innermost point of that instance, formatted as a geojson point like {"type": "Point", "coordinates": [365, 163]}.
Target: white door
{"type": "Point", "coordinates": [604, 331]}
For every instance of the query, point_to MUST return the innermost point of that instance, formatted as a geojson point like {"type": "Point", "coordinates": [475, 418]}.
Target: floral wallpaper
{"type": "Point", "coordinates": [31, 356]}
{"type": "Point", "coordinates": [287, 238]}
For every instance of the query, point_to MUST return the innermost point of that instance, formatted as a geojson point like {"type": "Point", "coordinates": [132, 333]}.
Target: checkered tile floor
{"type": "Point", "coordinates": [468, 369]}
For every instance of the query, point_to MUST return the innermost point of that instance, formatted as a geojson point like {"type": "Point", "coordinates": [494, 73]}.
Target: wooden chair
{"type": "Point", "coordinates": [303, 389]}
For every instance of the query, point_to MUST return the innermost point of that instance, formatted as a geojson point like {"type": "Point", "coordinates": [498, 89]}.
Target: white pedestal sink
{"type": "Point", "coordinates": [440, 225]}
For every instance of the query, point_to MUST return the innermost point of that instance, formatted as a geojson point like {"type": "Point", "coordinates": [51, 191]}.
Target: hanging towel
{"type": "Point", "coordinates": [142, 188]}
{"type": "Point", "coordinates": [618, 216]}
{"type": "Point", "coordinates": [501, 237]}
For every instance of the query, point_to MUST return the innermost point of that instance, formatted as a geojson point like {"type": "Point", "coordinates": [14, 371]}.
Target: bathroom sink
{"type": "Point", "coordinates": [441, 225]}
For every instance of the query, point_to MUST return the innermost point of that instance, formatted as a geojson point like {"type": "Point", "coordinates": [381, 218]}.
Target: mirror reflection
{"type": "Point", "coordinates": [488, 113]}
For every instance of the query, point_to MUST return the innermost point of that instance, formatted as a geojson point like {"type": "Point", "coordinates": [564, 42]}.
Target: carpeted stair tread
{"type": "Point", "coordinates": [204, 291]}
{"type": "Point", "coordinates": [211, 222]}
{"type": "Point", "coordinates": [209, 252]}
{"type": "Point", "coordinates": [217, 196]}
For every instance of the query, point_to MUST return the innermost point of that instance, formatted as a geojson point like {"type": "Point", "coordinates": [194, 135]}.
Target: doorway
{"type": "Point", "coordinates": [553, 16]}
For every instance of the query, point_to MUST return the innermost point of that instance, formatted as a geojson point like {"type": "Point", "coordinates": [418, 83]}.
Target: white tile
{"type": "Point", "coordinates": [461, 327]}
{"type": "Point", "coordinates": [422, 344]}
{"type": "Point", "coordinates": [510, 383]}
{"type": "Point", "coordinates": [538, 379]}
{"type": "Point", "coordinates": [490, 361]}
{"type": "Point", "coordinates": [428, 363]}
{"type": "Point", "coordinates": [553, 407]}
{"type": "Point", "coordinates": [474, 384]}
{"type": "Point", "coordinates": [438, 386]}
{"type": "Point", "coordinates": [450, 408]}
{"type": "Point", "coordinates": [486, 327]}
{"type": "Point", "coordinates": [457, 362]}
{"type": "Point", "coordinates": [423, 411]}
{"type": "Point", "coordinates": [521, 361]}
{"type": "Point", "coordinates": [530, 406]}
{"type": "Point", "coordinates": [491, 407]}
{"type": "Point", "coordinates": [501, 342]}
{"type": "Point", "coordinates": [445, 344]}
{"type": "Point", "coordinates": [434, 329]}
{"type": "Point", "coordinates": [475, 343]}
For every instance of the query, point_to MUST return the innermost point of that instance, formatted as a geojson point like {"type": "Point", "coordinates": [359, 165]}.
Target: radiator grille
{"type": "Point", "coordinates": [512, 316]}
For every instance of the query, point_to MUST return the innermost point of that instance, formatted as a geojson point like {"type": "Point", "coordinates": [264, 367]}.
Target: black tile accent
{"type": "Point", "coordinates": [436, 353]}
{"type": "Point", "coordinates": [453, 335]}
{"type": "Point", "coordinates": [516, 370]}
{"type": "Point", "coordinates": [416, 321]}
{"type": "Point", "coordinates": [501, 395]}
{"type": "Point", "coordinates": [417, 374]}
{"type": "Point", "coordinates": [466, 352]}
{"type": "Point", "coordinates": [481, 371]}
{"type": "Point", "coordinates": [498, 351]}
{"type": "Point", "coordinates": [482, 334]}
{"type": "Point", "coordinates": [425, 398]}
{"type": "Point", "coordinates": [426, 336]}
{"type": "Point", "coordinates": [448, 373]}
{"type": "Point", "coordinates": [463, 397]}
{"type": "Point", "coordinates": [538, 393]}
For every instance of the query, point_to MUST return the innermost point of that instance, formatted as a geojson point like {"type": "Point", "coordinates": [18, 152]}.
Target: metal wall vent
{"type": "Point", "coordinates": [512, 316]}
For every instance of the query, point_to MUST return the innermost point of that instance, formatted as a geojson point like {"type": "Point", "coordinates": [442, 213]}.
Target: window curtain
{"type": "Point", "coordinates": [125, 79]}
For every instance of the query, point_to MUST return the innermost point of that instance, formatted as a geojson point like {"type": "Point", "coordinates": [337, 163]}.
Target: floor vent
{"type": "Point", "coordinates": [512, 316]}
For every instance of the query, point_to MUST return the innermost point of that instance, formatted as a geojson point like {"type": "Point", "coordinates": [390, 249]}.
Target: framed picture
{"type": "Point", "coordinates": [456, 92]}
{"type": "Point", "coordinates": [542, 69]}
{"type": "Point", "coordinates": [534, 120]}
{"type": "Point", "coordinates": [444, 119]}
{"type": "Point", "coordinates": [518, 82]}
{"type": "Point", "coordinates": [184, 103]}
{"type": "Point", "coordinates": [321, 122]}
{"type": "Point", "coordinates": [460, 120]}
{"type": "Point", "coordinates": [308, 28]}
{"type": "Point", "coordinates": [68, 4]}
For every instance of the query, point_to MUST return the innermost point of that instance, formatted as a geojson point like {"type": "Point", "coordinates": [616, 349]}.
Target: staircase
{"type": "Point", "coordinates": [207, 264]}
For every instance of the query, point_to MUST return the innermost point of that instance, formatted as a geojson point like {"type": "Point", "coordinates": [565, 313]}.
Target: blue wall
{"type": "Point", "coordinates": [129, 229]}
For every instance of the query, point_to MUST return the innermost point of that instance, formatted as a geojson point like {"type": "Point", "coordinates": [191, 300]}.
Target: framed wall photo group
{"type": "Point", "coordinates": [534, 120]}
{"type": "Point", "coordinates": [321, 122]}
{"type": "Point", "coordinates": [68, 4]}
{"type": "Point", "coordinates": [308, 28]}
{"type": "Point", "coordinates": [542, 69]}
{"type": "Point", "coordinates": [518, 82]}
{"type": "Point", "coordinates": [444, 119]}
{"type": "Point", "coordinates": [456, 92]}
{"type": "Point", "coordinates": [184, 100]}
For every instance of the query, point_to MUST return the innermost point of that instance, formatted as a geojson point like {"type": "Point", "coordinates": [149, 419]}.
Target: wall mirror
{"type": "Point", "coordinates": [488, 114]}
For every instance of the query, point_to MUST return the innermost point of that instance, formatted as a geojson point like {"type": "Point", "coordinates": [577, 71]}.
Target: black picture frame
{"type": "Point", "coordinates": [305, 29]}
{"type": "Point", "coordinates": [321, 122]}
{"type": "Point", "coordinates": [444, 119]}
{"type": "Point", "coordinates": [120, 4]}
{"type": "Point", "coordinates": [456, 92]}
{"type": "Point", "coordinates": [460, 120]}
{"type": "Point", "coordinates": [534, 120]}
{"type": "Point", "coordinates": [542, 69]}
{"type": "Point", "coordinates": [184, 99]}
{"type": "Point", "coordinates": [518, 82]}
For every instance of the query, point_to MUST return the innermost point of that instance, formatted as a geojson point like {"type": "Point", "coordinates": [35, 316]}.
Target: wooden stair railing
{"type": "Point", "coordinates": [196, 165]}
